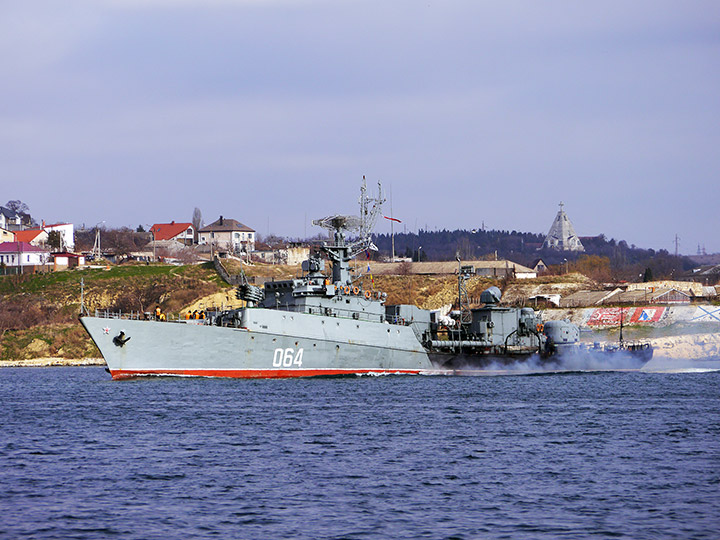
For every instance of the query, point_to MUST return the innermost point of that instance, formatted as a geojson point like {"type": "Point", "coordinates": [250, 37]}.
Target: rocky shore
{"type": "Point", "coordinates": [52, 361]}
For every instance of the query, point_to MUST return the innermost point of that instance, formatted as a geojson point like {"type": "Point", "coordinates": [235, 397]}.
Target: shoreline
{"type": "Point", "coordinates": [52, 361]}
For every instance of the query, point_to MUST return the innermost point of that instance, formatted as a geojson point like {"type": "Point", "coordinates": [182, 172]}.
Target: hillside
{"type": "Point", "coordinates": [39, 312]}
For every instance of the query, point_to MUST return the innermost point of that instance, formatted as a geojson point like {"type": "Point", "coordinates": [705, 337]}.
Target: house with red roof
{"type": "Point", "coordinates": [181, 232]}
{"type": "Point", "coordinates": [36, 237]}
{"type": "Point", "coordinates": [22, 258]}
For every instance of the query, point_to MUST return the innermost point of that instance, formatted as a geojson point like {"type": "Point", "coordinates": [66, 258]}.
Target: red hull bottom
{"type": "Point", "coordinates": [259, 373]}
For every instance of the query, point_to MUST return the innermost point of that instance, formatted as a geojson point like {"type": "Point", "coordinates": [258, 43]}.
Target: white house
{"type": "Point", "coordinates": [21, 257]}
{"type": "Point", "coordinates": [9, 219]}
{"type": "Point", "coordinates": [67, 234]}
{"type": "Point", "coordinates": [228, 234]}
{"type": "Point", "coordinates": [66, 260]}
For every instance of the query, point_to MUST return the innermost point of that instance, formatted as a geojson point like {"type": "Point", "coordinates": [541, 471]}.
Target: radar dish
{"type": "Point", "coordinates": [337, 223]}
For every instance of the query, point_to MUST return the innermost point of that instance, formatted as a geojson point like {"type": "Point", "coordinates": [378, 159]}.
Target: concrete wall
{"type": "Point", "coordinates": [654, 316]}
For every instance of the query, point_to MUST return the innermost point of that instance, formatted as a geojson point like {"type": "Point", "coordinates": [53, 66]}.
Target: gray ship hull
{"type": "Point", "coordinates": [270, 344]}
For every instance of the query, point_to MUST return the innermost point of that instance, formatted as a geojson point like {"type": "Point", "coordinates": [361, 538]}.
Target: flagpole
{"type": "Point", "coordinates": [392, 235]}
{"type": "Point", "coordinates": [392, 228]}
{"type": "Point", "coordinates": [392, 232]}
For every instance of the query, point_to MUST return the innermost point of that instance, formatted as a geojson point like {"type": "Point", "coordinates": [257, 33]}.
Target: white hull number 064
{"type": "Point", "coordinates": [287, 357]}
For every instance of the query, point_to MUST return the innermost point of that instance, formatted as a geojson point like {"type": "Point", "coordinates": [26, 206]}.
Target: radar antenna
{"type": "Point", "coordinates": [342, 250]}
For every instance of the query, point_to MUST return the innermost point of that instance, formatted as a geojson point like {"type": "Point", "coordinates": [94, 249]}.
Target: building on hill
{"type": "Point", "coordinates": [36, 237]}
{"type": "Point", "coordinates": [22, 258]}
{"type": "Point", "coordinates": [39, 236]}
{"type": "Point", "coordinates": [688, 287]}
{"type": "Point", "coordinates": [6, 236]}
{"type": "Point", "coordinates": [180, 232]}
{"type": "Point", "coordinates": [228, 234]}
{"type": "Point", "coordinates": [67, 234]}
{"type": "Point", "coordinates": [665, 295]}
{"type": "Point", "coordinates": [290, 255]}
{"type": "Point", "coordinates": [588, 298]}
{"type": "Point", "coordinates": [562, 235]}
{"type": "Point", "coordinates": [493, 269]}
{"type": "Point", "coordinates": [708, 274]}
{"type": "Point", "coordinates": [9, 219]}
{"type": "Point", "coordinates": [64, 260]}
{"type": "Point", "coordinates": [539, 266]}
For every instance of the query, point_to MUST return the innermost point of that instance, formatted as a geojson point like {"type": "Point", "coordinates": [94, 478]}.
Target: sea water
{"type": "Point", "coordinates": [577, 455]}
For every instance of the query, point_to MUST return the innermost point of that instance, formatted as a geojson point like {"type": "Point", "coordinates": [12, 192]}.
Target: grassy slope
{"type": "Point", "coordinates": [38, 313]}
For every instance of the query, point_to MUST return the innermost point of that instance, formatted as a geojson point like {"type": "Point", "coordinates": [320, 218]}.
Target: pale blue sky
{"type": "Point", "coordinates": [270, 112]}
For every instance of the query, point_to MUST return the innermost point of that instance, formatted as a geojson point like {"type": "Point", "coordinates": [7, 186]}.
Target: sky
{"type": "Point", "coordinates": [470, 113]}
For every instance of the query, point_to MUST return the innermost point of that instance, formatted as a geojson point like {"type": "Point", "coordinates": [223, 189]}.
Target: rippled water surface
{"type": "Point", "coordinates": [583, 455]}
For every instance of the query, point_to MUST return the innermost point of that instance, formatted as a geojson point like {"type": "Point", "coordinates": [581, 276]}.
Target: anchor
{"type": "Point", "coordinates": [120, 340]}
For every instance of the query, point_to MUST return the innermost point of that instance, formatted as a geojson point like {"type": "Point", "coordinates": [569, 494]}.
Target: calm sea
{"type": "Point", "coordinates": [580, 455]}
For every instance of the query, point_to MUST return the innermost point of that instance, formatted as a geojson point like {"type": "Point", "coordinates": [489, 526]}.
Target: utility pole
{"type": "Point", "coordinates": [96, 251]}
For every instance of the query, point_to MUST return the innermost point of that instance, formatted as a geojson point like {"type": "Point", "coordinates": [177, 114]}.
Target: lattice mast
{"type": "Point", "coordinates": [463, 297]}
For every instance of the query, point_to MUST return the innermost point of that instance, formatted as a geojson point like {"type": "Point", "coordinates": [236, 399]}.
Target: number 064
{"type": "Point", "coordinates": [287, 357]}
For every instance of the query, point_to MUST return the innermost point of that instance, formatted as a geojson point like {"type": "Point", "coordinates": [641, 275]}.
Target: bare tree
{"type": "Point", "coordinates": [18, 207]}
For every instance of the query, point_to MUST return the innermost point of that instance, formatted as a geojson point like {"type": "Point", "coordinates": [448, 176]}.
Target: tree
{"type": "Point", "coordinates": [55, 240]}
{"type": "Point", "coordinates": [196, 221]}
{"type": "Point", "coordinates": [648, 275]}
{"type": "Point", "coordinates": [18, 207]}
{"type": "Point", "coordinates": [140, 228]}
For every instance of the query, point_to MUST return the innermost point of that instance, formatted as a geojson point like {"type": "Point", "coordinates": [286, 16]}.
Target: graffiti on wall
{"type": "Point", "coordinates": [611, 316]}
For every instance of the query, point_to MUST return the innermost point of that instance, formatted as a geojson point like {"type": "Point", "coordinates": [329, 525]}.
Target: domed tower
{"type": "Point", "coordinates": [562, 235]}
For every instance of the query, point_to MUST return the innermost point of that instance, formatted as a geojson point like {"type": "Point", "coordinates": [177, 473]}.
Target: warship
{"type": "Point", "coordinates": [330, 325]}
